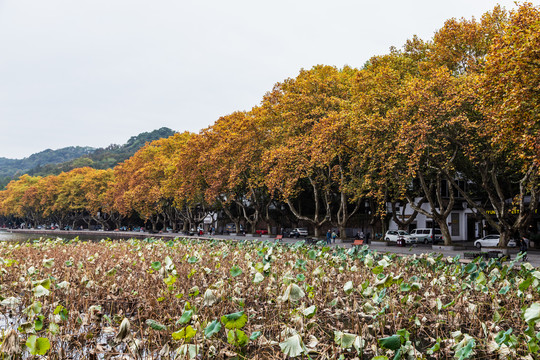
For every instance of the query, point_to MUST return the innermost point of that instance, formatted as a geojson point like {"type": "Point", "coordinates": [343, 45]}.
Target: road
{"type": "Point", "coordinates": [533, 255]}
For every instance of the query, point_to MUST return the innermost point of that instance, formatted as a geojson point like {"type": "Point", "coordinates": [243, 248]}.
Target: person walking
{"type": "Point", "coordinates": [328, 237]}
{"type": "Point", "coordinates": [523, 247]}
{"type": "Point", "coordinates": [334, 236]}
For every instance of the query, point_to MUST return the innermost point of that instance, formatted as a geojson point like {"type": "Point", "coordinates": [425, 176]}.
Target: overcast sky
{"type": "Point", "coordinates": [96, 72]}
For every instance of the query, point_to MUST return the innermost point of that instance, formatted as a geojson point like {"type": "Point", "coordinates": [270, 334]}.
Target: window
{"type": "Point", "coordinates": [455, 224]}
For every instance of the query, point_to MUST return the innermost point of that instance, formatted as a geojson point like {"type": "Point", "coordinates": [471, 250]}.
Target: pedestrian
{"type": "Point", "coordinates": [368, 237]}
{"type": "Point", "coordinates": [328, 237]}
{"type": "Point", "coordinates": [334, 236]}
{"type": "Point", "coordinates": [523, 247]}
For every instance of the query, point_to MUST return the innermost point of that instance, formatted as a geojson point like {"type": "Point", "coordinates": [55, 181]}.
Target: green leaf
{"type": "Point", "coordinates": [213, 328]}
{"type": "Point", "coordinates": [186, 317]}
{"type": "Point", "coordinates": [186, 333]}
{"type": "Point", "coordinates": [310, 311]}
{"type": "Point", "coordinates": [312, 254]}
{"type": "Point", "coordinates": [504, 290]}
{"type": "Point", "coordinates": [405, 287]}
{"type": "Point", "coordinates": [470, 268]}
{"type": "Point", "coordinates": [348, 287]}
{"type": "Point", "coordinates": [237, 338]}
{"type": "Point", "coordinates": [235, 271]}
{"type": "Point", "coordinates": [38, 346]}
{"type": "Point", "coordinates": [466, 351]}
{"type": "Point", "coordinates": [378, 269]}
{"type": "Point", "coordinates": [155, 325]}
{"type": "Point", "coordinates": [171, 279]}
{"type": "Point", "coordinates": [344, 340]}
{"type": "Point", "coordinates": [436, 347]}
{"type": "Point", "coordinates": [234, 320]}
{"type": "Point", "coordinates": [392, 342]}
{"type": "Point", "coordinates": [255, 335]}
{"type": "Point", "coordinates": [156, 265]}
{"type": "Point", "coordinates": [38, 323]}
{"type": "Point", "coordinates": [524, 285]}
{"type": "Point", "coordinates": [193, 259]}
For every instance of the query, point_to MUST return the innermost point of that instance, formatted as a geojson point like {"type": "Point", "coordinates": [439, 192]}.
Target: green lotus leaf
{"type": "Point", "coordinates": [213, 328]}
{"type": "Point", "coordinates": [348, 287]}
{"type": "Point", "coordinates": [156, 265]}
{"type": "Point", "coordinates": [155, 325]}
{"type": "Point", "coordinates": [186, 333]}
{"type": "Point", "coordinates": [193, 259]}
{"type": "Point", "coordinates": [38, 346]}
{"type": "Point", "coordinates": [392, 342]}
{"type": "Point", "coordinates": [170, 280]}
{"type": "Point", "coordinates": [310, 311]}
{"type": "Point", "coordinates": [186, 317]}
{"type": "Point", "coordinates": [466, 351]}
{"type": "Point", "coordinates": [237, 338]}
{"type": "Point", "coordinates": [38, 322]}
{"type": "Point", "coordinates": [235, 271]}
{"type": "Point", "coordinates": [46, 283]}
{"type": "Point", "coordinates": [235, 320]}
{"type": "Point", "coordinates": [344, 340]}
{"type": "Point", "coordinates": [255, 335]}
{"type": "Point", "coordinates": [405, 287]}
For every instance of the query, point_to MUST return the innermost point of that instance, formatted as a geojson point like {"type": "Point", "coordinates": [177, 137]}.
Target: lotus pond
{"type": "Point", "coordinates": [150, 299]}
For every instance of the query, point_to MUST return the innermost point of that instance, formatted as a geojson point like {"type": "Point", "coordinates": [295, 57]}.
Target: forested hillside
{"type": "Point", "coordinates": [49, 162]}
{"type": "Point", "coordinates": [13, 168]}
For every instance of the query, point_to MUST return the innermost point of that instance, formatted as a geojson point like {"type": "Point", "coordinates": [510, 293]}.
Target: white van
{"type": "Point", "coordinates": [425, 236]}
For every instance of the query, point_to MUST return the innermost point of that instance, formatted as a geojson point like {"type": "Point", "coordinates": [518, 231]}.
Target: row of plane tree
{"type": "Point", "coordinates": [462, 107]}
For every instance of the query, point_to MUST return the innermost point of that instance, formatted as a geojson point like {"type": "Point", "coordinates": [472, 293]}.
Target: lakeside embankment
{"type": "Point", "coordinates": [533, 255]}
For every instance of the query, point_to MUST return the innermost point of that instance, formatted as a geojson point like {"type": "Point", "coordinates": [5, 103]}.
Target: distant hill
{"type": "Point", "coordinates": [51, 162]}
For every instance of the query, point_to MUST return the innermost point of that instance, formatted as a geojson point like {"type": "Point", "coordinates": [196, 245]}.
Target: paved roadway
{"type": "Point", "coordinates": [533, 255]}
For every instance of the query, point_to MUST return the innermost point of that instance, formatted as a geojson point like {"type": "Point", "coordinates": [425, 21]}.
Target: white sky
{"type": "Point", "coordinates": [96, 72]}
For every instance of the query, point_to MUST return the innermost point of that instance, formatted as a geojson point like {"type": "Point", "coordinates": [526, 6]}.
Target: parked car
{"type": "Point", "coordinates": [231, 228]}
{"type": "Point", "coordinates": [426, 236]}
{"type": "Point", "coordinates": [492, 241]}
{"type": "Point", "coordinates": [301, 231]}
{"type": "Point", "coordinates": [394, 235]}
{"type": "Point", "coordinates": [295, 233]}
{"type": "Point", "coordinates": [261, 232]}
